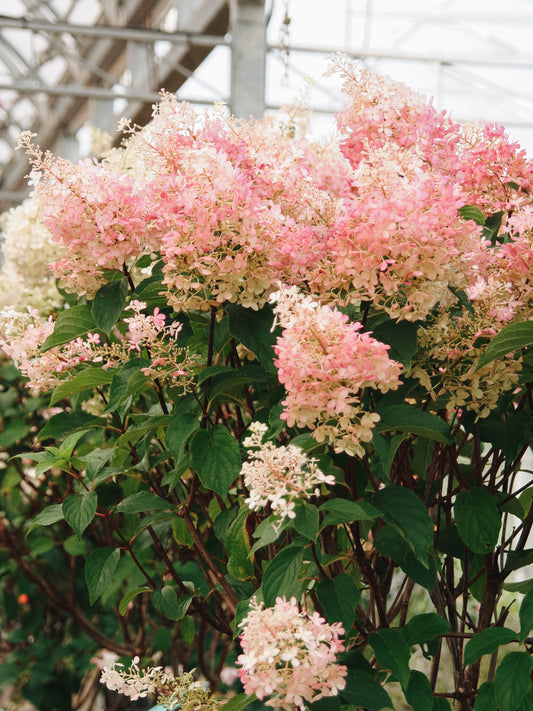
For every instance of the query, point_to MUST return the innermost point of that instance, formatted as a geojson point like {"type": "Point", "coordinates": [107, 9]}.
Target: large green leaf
{"type": "Point", "coordinates": [487, 642]}
{"type": "Point", "coordinates": [79, 510]}
{"type": "Point", "coordinates": [402, 338]}
{"type": "Point", "coordinates": [169, 605]}
{"type": "Point", "coordinates": [108, 303]}
{"type": "Point", "coordinates": [418, 692]}
{"type": "Point", "coordinates": [88, 379]}
{"type": "Point", "coordinates": [129, 596]}
{"type": "Point", "coordinates": [402, 509]}
{"type": "Point", "coordinates": [143, 501]}
{"type": "Point", "coordinates": [485, 699]}
{"type": "Point", "coordinates": [512, 680]}
{"type": "Point", "coordinates": [424, 627]}
{"type": "Point", "coordinates": [391, 544]}
{"type": "Point", "coordinates": [239, 702]}
{"type": "Point", "coordinates": [70, 324]}
{"type": "Point", "coordinates": [100, 568]}
{"type": "Point", "coordinates": [410, 419]}
{"type": "Point", "coordinates": [237, 546]}
{"type": "Point", "coordinates": [306, 519]}
{"type": "Point", "coordinates": [281, 575]}
{"type": "Point", "coordinates": [339, 597]}
{"type": "Point", "coordinates": [364, 692]}
{"type": "Point", "coordinates": [526, 616]}
{"type": "Point", "coordinates": [48, 516]}
{"type": "Point", "coordinates": [216, 456]}
{"type": "Point", "coordinates": [392, 653]}
{"type": "Point", "coordinates": [345, 511]}
{"type": "Point", "coordinates": [254, 330]}
{"type": "Point", "coordinates": [65, 422]}
{"type": "Point", "coordinates": [179, 431]}
{"type": "Point", "coordinates": [477, 519]}
{"type": "Point", "coordinates": [508, 340]}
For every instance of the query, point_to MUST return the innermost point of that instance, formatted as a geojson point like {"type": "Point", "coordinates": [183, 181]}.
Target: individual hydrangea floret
{"type": "Point", "coordinates": [277, 476]}
{"type": "Point", "coordinates": [290, 655]}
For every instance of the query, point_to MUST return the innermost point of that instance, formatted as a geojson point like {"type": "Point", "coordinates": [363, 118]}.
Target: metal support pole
{"type": "Point", "coordinates": [248, 58]}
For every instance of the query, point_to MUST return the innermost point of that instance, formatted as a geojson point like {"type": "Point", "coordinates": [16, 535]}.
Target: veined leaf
{"type": "Point", "coordinates": [99, 570]}
{"type": "Point", "coordinates": [508, 340]}
{"type": "Point", "coordinates": [410, 419]}
{"type": "Point", "coordinates": [108, 303]}
{"type": "Point", "coordinates": [477, 519]}
{"type": "Point", "coordinates": [487, 642]}
{"type": "Point", "coordinates": [79, 510]}
{"type": "Point", "coordinates": [70, 324]}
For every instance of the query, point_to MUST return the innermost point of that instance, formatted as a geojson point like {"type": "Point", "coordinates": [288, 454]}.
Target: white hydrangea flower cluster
{"type": "Point", "coordinates": [172, 692]}
{"type": "Point", "coordinates": [277, 476]}
{"type": "Point", "coordinates": [27, 250]}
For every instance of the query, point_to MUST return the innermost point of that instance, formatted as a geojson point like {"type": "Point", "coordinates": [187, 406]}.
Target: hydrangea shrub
{"type": "Point", "coordinates": [290, 404]}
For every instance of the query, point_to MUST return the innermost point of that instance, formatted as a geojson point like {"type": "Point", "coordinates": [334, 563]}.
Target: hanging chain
{"type": "Point", "coordinates": [283, 43]}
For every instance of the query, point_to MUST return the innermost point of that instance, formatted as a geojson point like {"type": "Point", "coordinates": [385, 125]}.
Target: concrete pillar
{"type": "Point", "coordinates": [248, 58]}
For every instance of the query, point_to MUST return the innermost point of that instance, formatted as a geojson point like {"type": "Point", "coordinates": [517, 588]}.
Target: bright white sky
{"type": "Point", "coordinates": [479, 30]}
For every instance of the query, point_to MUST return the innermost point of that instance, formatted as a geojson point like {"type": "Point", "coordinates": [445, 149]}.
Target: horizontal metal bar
{"type": "Point", "coordinates": [89, 92]}
{"type": "Point", "coordinates": [133, 34]}
{"type": "Point", "coordinates": [526, 62]}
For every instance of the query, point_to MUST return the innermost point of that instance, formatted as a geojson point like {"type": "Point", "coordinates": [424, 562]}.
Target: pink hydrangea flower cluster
{"type": "Point", "coordinates": [277, 476]}
{"type": "Point", "coordinates": [21, 338]}
{"type": "Point", "coordinates": [290, 655]}
{"type": "Point", "coordinates": [325, 363]}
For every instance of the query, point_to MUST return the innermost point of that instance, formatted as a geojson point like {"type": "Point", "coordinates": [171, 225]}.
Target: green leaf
{"type": "Point", "coordinates": [440, 703]}
{"type": "Point", "coordinates": [391, 653]}
{"type": "Point", "coordinates": [187, 629]}
{"type": "Point", "coordinates": [267, 532]}
{"type": "Point", "coordinates": [402, 338]}
{"type": "Point", "coordinates": [216, 457]}
{"type": "Point", "coordinates": [48, 516]}
{"type": "Point", "coordinates": [88, 379]}
{"type": "Point", "coordinates": [410, 419]}
{"type": "Point", "coordinates": [424, 627]}
{"type": "Point", "coordinates": [12, 433]}
{"type": "Point", "coordinates": [143, 501]}
{"type": "Point", "coordinates": [364, 692]}
{"type": "Point", "coordinates": [487, 642]}
{"type": "Point", "coordinates": [391, 544]}
{"type": "Point", "coordinates": [418, 692]}
{"type": "Point", "coordinates": [508, 340]}
{"type": "Point", "coordinates": [167, 603]}
{"type": "Point", "coordinates": [512, 680]}
{"type": "Point", "coordinates": [179, 431]}
{"type": "Point", "coordinates": [471, 212]}
{"type": "Point", "coordinates": [526, 616]}
{"type": "Point", "coordinates": [79, 510]}
{"type": "Point", "coordinates": [100, 567]}
{"type": "Point", "coordinates": [239, 702]}
{"type": "Point", "coordinates": [254, 330]}
{"type": "Point", "coordinates": [108, 303]}
{"type": "Point", "coordinates": [237, 545]}
{"type": "Point", "coordinates": [129, 596]}
{"type": "Point", "coordinates": [345, 511]}
{"type": "Point", "coordinates": [402, 509]}
{"type": "Point", "coordinates": [485, 699]}
{"type": "Point", "coordinates": [66, 422]}
{"type": "Point", "coordinates": [306, 520]}
{"type": "Point", "coordinates": [339, 597]}
{"type": "Point", "coordinates": [70, 324]}
{"type": "Point", "coordinates": [477, 519]}
{"type": "Point", "coordinates": [281, 575]}
{"type": "Point", "coordinates": [118, 392]}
